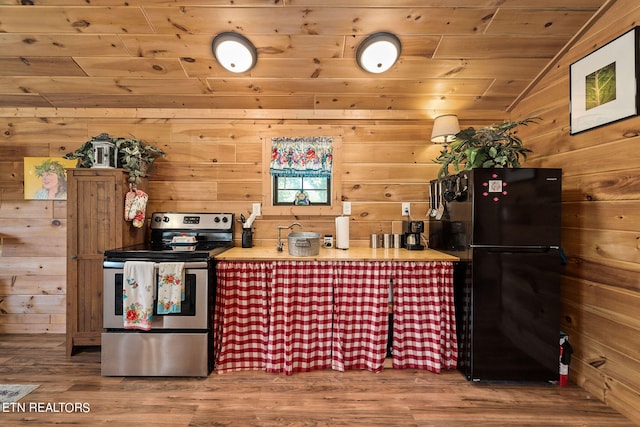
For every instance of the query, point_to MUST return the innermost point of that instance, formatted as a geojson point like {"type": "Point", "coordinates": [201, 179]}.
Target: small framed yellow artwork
{"type": "Point", "coordinates": [45, 178]}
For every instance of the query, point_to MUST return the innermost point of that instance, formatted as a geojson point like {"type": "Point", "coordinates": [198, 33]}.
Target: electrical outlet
{"type": "Point", "coordinates": [346, 208]}
{"type": "Point", "coordinates": [406, 209]}
{"type": "Point", "coordinates": [256, 209]}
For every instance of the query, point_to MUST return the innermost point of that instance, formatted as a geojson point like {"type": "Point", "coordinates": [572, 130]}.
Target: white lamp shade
{"type": "Point", "coordinates": [445, 129]}
{"type": "Point", "coordinates": [378, 52]}
{"type": "Point", "coordinates": [234, 52]}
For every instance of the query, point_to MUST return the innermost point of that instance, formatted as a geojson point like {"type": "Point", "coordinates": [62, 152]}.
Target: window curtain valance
{"type": "Point", "coordinates": [308, 156]}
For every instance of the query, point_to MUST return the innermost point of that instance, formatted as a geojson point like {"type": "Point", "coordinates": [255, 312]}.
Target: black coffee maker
{"type": "Point", "coordinates": [412, 235]}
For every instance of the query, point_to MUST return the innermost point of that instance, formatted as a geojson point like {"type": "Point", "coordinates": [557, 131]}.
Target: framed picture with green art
{"type": "Point", "coordinates": [604, 84]}
{"type": "Point", "coordinates": [45, 178]}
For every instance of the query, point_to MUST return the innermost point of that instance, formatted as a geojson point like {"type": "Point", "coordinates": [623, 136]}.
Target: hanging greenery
{"type": "Point", "coordinates": [495, 146]}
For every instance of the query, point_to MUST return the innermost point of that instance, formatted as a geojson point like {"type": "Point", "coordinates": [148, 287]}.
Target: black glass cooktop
{"type": "Point", "coordinates": [202, 251]}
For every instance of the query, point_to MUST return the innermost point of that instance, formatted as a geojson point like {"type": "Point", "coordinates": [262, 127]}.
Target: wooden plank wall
{"type": "Point", "coordinates": [601, 224]}
{"type": "Point", "coordinates": [211, 165]}
{"type": "Point", "coordinates": [214, 164]}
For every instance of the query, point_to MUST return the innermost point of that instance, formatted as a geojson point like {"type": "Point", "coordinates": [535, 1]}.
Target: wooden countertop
{"type": "Point", "coordinates": [265, 253]}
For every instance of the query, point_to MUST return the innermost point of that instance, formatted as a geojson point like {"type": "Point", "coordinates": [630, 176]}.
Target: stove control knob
{"type": "Point", "coordinates": [165, 219]}
{"type": "Point", "coordinates": [216, 219]}
{"type": "Point", "coordinates": [225, 219]}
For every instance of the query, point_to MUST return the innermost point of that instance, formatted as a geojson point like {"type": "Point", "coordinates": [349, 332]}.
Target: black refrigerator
{"type": "Point", "coordinates": [504, 225]}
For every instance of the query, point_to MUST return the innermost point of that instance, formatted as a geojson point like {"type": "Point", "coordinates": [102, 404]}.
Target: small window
{"type": "Point", "coordinates": [302, 190]}
{"type": "Point", "coordinates": [299, 176]}
{"type": "Point", "coordinates": [301, 169]}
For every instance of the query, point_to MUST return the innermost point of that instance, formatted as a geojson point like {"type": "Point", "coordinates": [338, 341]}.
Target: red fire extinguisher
{"type": "Point", "coordinates": [565, 358]}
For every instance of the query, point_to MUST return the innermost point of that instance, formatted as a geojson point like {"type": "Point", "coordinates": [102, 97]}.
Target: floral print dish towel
{"type": "Point", "coordinates": [170, 287]}
{"type": "Point", "coordinates": [137, 294]}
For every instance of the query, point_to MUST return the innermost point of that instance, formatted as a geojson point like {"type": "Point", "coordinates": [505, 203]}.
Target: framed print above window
{"type": "Point", "coordinates": [604, 84]}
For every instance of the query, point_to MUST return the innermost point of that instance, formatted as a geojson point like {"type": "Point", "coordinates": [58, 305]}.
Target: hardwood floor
{"type": "Point", "coordinates": [321, 398]}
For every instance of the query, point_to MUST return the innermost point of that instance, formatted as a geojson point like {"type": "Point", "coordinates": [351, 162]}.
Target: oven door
{"type": "Point", "coordinates": [193, 314]}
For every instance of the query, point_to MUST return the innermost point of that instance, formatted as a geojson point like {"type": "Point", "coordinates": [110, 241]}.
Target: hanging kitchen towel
{"type": "Point", "coordinates": [137, 294]}
{"type": "Point", "coordinates": [170, 287]}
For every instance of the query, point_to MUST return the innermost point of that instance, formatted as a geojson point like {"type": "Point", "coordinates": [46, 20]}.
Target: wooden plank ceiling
{"type": "Point", "coordinates": [472, 57]}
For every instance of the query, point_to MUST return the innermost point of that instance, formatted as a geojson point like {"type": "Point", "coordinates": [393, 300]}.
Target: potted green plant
{"type": "Point", "coordinates": [495, 146]}
{"type": "Point", "coordinates": [134, 156]}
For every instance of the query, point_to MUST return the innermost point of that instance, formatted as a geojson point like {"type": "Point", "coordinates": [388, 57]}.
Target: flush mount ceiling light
{"type": "Point", "coordinates": [378, 52]}
{"type": "Point", "coordinates": [234, 52]}
{"type": "Point", "coordinates": [445, 128]}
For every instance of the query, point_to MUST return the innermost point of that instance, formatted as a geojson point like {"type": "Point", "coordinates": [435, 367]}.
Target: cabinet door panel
{"type": "Point", "coordinates": [95, 216]}
{"type": "Point", "coordinates": [95, 223]}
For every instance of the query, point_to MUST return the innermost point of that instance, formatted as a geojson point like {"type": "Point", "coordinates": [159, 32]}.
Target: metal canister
{"type": "Point", "coordinates": [386, 241]}
{"type": "Point", "coordinates": [374, 241]}
{"type": "Point", "coordinates": [397, 241]}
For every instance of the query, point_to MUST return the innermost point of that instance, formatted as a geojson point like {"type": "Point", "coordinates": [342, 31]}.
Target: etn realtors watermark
{"type": "Point", "coordinates": [46, 407]}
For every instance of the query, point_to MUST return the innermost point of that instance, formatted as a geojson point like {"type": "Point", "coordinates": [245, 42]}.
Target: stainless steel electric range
{"type": "Point", "coordinates": [180, 343]}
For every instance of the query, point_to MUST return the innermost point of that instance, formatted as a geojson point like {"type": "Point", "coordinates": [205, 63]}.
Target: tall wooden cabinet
{"type": "Point", "coordinates": [95, 223]}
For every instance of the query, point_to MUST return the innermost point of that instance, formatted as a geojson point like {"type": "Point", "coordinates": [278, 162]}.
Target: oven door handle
{"type": "Point", "coordinates": [120, 264]}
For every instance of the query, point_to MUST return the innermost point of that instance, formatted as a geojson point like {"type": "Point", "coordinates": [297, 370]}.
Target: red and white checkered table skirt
{"type": "Point", "coordinates": [424, 326]}
{"type": "Point", "coordinates": [295, 316]}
